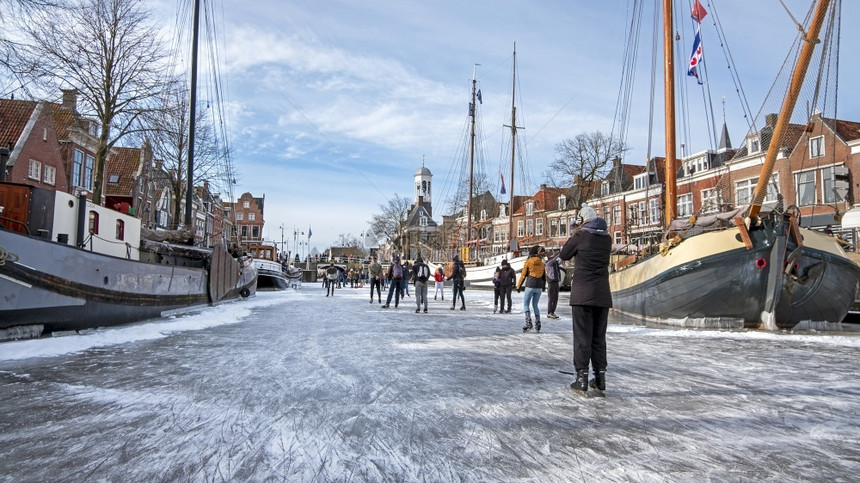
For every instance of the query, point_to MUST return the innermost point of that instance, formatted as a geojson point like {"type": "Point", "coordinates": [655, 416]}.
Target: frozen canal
{"type": "Point", "coordinates": [296, 386]}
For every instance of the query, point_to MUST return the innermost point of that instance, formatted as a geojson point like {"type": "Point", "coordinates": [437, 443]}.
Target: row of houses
{"type": "Point", "coordinates": [813, 177]}
{"type": "Point", "coordinates": [51, 145]}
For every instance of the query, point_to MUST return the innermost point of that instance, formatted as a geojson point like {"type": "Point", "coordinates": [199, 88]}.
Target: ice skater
{"type": "Point", "coordinates": [590, 298]}
{"type": "Point", "coordinates": [534, 279]}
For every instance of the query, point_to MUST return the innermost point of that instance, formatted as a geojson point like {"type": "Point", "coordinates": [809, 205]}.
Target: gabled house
{"type": "Point", "coordinates": [248, 213]}
{"type": "Point", "coordinates": [28, 130]}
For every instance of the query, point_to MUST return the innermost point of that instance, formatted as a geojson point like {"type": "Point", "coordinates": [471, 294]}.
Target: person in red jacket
{"type": "Point", "coordinates": [590, 298]}
{"type": "Point", "coordinates": [439, 277]}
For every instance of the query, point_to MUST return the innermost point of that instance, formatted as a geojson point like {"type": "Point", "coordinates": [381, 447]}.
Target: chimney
{"type": "Point", "coordinates": [616, 162]}
{"type": "Point", "coordinates": [770, 120]}
{"type": "Point", "coordinates": [70, 99]}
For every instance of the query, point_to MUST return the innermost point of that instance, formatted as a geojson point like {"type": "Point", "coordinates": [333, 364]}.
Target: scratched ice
{"type": "Point", "coordinates": [296, 386]}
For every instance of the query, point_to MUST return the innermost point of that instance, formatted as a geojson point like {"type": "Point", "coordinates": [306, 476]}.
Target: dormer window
{"type": "Point", "coordinates": [562, 202]}
{"type": "Point", "coordinates": [604, 188]}
{"type": "Point", "coordinates": [502, 210]}
{"type": "Point", "coordinates": [640, 181]}
{"type": "Point", "coordinates": [754, 145]}
{"type": "Point", "coordinates": [530, 208]}
{"type": "Point", "coordinates": [422, 221]}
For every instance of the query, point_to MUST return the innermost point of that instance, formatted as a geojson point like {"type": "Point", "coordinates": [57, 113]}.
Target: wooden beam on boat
{"type": "Point", "coordinates": [745, 235]}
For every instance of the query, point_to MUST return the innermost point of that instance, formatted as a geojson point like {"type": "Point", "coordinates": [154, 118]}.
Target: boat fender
{"type": "Point", "coordinates": [245, 293]}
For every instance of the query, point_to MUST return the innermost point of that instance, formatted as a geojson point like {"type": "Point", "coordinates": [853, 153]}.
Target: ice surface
{"type": "Point", "coordinates": [296, 386]}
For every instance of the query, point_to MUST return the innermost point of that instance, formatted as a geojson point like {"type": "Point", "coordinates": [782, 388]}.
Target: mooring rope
{"type": "Point", "coordinates": [4, 256]}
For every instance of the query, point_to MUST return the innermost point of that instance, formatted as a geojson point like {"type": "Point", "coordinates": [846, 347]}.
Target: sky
{"type": "Point", "coordinates": [334, 105]}
{"type": "Point", "coordinates": [297, 386]}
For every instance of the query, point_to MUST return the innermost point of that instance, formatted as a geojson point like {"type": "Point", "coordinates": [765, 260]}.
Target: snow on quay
{"type": "Point", "coordinates": [297, 386]}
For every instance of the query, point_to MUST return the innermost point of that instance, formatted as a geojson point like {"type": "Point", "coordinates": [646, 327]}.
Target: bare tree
{"type": "Point", "coordinates": [13, 64]}
{"type": "Point", "coordinates": [167, 127]}
{"type": "Point", "coordinates": [583, 160]}
{"type": "Point", "coordinates": [111, 52]}
{"type": "Point", "coordinates": [389, 223]}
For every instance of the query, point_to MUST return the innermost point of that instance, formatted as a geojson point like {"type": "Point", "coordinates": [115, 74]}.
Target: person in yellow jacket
{"type": "Point", "coordinates": [533, 277]}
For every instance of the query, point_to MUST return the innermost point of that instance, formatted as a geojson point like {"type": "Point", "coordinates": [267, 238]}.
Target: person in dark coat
{"type": "Point", "coordinates": [507, 280]}
{"type": "Point", "coordinates": [590, 298]}
{"type": "Point", "coordinates": [553, 278]}
{"type": "Point", "coordinates": [396, 276]}
{"type": "Point", "coordinates": [458, 274]}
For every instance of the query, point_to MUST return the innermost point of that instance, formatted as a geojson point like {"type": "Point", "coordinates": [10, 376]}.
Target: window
{"type": "Point", "coordinates": [828, 193]}
{"type": "Point", "coordinates": [520, 229]}
{"type": "Point", "coordinates": [562, 227]}
{"type": "Point", "coordinates": [502, 210]}
{"type": "Point", "coordinates": [113, 179]}
{"type": "Point", "coordinates": [120, 230]}
{"type": "Point", "coordinates": [754, 145]}
{"type": "Point", "coordinates": [78, 167]}
{"type": "Point", "coordinates": [252, 216]}
{"type": "Point", "coordinates": [744, 190]}
{"type": "Point", "coordinates": [422, 221]}
{"type": "Point", "coordinates": [244, 231]}
{"type": "Point", "coordinates": [483, 215]}
{"type": "Point", "coordinates": [711, 200]}
{"type": "Point", "coordinates": [805, 188]}
{"type": "Point", "coordinates": [530, 227]}
{"type": "Point", "coordinates": [606, 217]}
{"type": "Point", "coordinates": [50, 175]}
{"type": "Point", "coordinates": [616, 214]}
{"type": "Point", "coordinates": [643, 215]}
{"type": "Point", "coordinates": [816, 147]}
{"type": "Point", "coordinates": [255, 232]}
{"type": "Point", "coordinates": [632, 215]}
{"type": "Point", "coordinates": [94, 223]}
{"type": "Point", "coordinates": [35, 171]}
{"type": "Point", "coordinates": [685, 205]}
{"type": "Point", "coordinates": [89, 162]}
{"type": "Point", "coordinates": [539, 226]}
{"type": "Point", "coordinates": [654, 209]}
{"type": "Point", "coordinates": [553, 228]}
{"type": "Point", "coordinates": [240, 216]}
{"type": "Point", "coordinates": [562, 202]}
{"type": "Point", "coordinates": [617, 236]}
{"type": "Point", "coordinates": [246, 204]}
{"type": "Point", "coordinates": [604, 188]}
{"type": "Point", "coordinates": [640, 181]}
{"type": "Point", "coordinates": [530, 208]}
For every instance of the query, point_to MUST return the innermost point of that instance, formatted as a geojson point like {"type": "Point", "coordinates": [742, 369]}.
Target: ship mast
{"type": "Point", "coordinates": [669, 106]}
{"type": "Point", "coordinates": [473, 108]}
{"type": "Point", "coordinates": [788, 104]}
{"type": "Point", "coordinates": [514, 128]}
{"type": "Point", "coordinates": [192, 114]}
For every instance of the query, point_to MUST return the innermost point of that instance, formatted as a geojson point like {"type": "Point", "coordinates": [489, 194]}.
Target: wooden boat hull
{"type": "Point", "coordinates": [713, 280]}
{"type": "Point", "coordinates": [62, 287]}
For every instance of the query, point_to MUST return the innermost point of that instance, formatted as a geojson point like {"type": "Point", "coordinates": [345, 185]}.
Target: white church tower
{"type": "Point", "coordinates": [423, 177]}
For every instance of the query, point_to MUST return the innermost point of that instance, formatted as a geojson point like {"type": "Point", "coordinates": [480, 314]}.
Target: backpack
{"type": "Point", "coordinates": [423, 273]}
{"type": "Point", "coordinates": [397, 270]}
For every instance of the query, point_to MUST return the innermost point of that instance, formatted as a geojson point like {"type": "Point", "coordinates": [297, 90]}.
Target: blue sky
{"type": "Point", "coordinates": [334, 104]}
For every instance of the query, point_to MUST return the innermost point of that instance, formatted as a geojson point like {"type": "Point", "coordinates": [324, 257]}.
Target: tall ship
{"type": "Point", "coordinates": [67, 263]}
{"type": "Point", "coordinates": [752, 267]}
{"type": "Point", "coordinates": [481, 266]}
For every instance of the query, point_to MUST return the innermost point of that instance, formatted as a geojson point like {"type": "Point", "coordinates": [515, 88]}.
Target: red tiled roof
{"type": "Point", "coordinates": [14, 115]}
{"type": "Point", "coordinates": [124, 163]}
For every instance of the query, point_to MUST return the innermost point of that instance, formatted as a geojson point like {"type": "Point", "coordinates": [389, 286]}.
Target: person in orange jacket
{"type": "Point", "coordinates": [534, 276]}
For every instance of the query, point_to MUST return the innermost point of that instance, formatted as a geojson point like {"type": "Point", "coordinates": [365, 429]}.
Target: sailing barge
{"type": "Point", "coordinates": [763, 271]}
